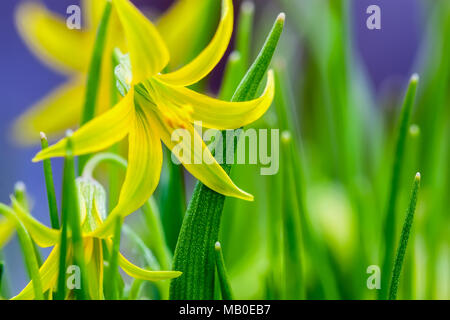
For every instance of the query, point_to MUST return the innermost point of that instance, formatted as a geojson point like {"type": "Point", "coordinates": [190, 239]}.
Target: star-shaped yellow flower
{"type": "Point", "coordinates": [69, 51]}
{"type": "Point", "coordinates": [156, 105]}
{"type": "Point", "coordinates": [92, 210]}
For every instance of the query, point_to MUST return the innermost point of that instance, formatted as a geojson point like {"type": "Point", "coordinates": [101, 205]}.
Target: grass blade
{"type": "Point", "coordinates": [49, 184]}
{"type": "Point", "coordinates": [404, 240]}
{"type": "Point", "coordinates": [93, 78]}
{"type": "Point", "coordinates": [225, 286]}
{"type": "Point", "coordinates": [390, 222]}
{"type": "Point", "coordinates": [113, 269]}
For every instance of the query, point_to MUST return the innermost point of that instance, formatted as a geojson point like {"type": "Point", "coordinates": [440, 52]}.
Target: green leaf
{"type": "Point", "coordinates": [51, 196]}
{"type": "Point", "coordinates": [390, 222]}
{"type": "Point", "coordinates": [194, 254]}
{"type": "Point", "coordinates": [225, 286]}
{"type": "Point", "coordinates": [406, 230]}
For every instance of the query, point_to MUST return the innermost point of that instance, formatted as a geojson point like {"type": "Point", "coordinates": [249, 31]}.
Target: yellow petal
{"type": "Point", "coordinates": [93, 10]}
{"type": "Point", "coordinates": [202, 65]}
{"type": "Point", "coordinates": [41, 234]}
{"type": "Point", "coordinates": [221, 114]}
{"type": "Point", "coordinates": [143, 172]}
{"type": "Point", "coordinates": [148, 52]}
{"type": "Point", "coordinates": [7, 228]}
{"type": "Point", "coordinates": [139, 273]}
{"type": "Point", "coordinates": [48, 273]}
{"type": "Point", "coordinates": [99, 133]}
{"type": "Point", "coordinates": [60, 110]}
{"type": "Point", "coordinates": [49, 37]}
{"type": "Point", "coordinates": [209, 172]}
{"type": "Point", "coordinates": [180, 25]}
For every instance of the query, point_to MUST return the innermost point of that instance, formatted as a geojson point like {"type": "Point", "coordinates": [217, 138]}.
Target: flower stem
{"type": "Point", "coordinates": [194, 254]}
{"type": "Point", "coordinates": [93, 78]}
{"type": "Point", "coordinates": [390, 222]}
{"type": "Point", "coordinates": [404, 239]}
{"type": "Point", "coordinates": [225, 286]}
{"type": "Point", "coordinates": [113, 269]}
{"type": "Point", "coordinates": [51, 196]}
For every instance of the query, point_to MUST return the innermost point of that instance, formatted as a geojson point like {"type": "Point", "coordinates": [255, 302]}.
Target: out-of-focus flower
{"type": "Point", "coordinates": [157, 104]}
{"type": "Point", "coordinates": [69, 51]}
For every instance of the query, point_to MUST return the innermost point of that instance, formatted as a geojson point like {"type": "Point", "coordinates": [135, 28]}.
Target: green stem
{"type": "Point", "coordinates": [292, 253]}
{"type": "Point", "coordinates": [390, 222]}
{"type": "Point", "coordinates": [172, 201]}
{"type": "Point", "coordinates": [404, 240]}
{"type": "Point", "coordinates": [156, 234]}
{"type": "Point", "coordinates": [113, 269]}
{"type": "Point", "coordinates": [225, 286]}
{"type": "Point", "coordinates": [93, 78]}
{"type": "Point", "coordinates": [49, 184]}
{"type": "Point", "coordinates": [27, 250]}
{"type": "Point", "coordinates": [194, 254]}
{"type": "Point", "coordinates": [244, 33]}
{"type": "Point", "coordinates": [71, 211]}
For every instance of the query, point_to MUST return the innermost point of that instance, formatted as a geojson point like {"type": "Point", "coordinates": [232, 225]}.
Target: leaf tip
{"type": "Point", "coordinates": [414, 78]}
{"type": "Point", "coordinates": [217, 246]}
{"type": "Point", "coordinates": [417, 177]}
{"type": "Point", "coordinates": [281, 17]}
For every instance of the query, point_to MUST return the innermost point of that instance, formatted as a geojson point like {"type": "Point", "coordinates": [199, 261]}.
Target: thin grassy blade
{"type": "Point", "coordinates": [244, 33]}
{"type": "Point", "coordinates": [93, 78]}
{"type": "Point", "coordinates": [173, 201]}
{"type": "Point", "coordinates": [390, 222]}
{"type": "Point", "coordinates": [112, 293]}
{"type": "Point", "coordinates": [225, 286]}
{"type": "Point", "coordinates": [403, 244]}
{"type": "Point", "coordinates": [49, 184]}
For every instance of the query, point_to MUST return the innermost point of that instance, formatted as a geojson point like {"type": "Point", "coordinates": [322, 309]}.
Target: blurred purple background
{"type": "Point", "coordinates": [388, 54]}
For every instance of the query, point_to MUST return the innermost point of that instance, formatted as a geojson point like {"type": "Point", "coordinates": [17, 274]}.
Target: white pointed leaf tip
{"type": "Point", "coordinates": [42, 135]}
{"type": "Point", "coordinates": [286, 136]}
{"type": "Point", "coordinates": [217, 246]}
{"type": "Point", "coordinates": [248, 7]}
{"type": "Point", "coordinates": [415, 78]}
{"type": "Point", "coordinates": [235, 56]}
{"type": "Point", "coordinates": [418, 176]}
{"type": "Point", "coordinates": [19, 186]}
{"type": "Point", "coordinates": [281, 17]}
{"type": "Point", "coordinates": [69, 133]}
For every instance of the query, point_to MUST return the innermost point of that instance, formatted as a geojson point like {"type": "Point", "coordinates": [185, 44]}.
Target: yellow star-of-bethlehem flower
{"type": "Point", "coordinates": [156, 105]}
{"type": "Point", "coordinates": [69, 51]}
{"type": "Point", "coordinates": [92, 201]}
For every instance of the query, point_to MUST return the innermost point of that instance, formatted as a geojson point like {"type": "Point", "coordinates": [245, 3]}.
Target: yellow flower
{"type": "Point", "coordinates": [69, 51]}
{"type": "Point", "coordinates": [156, 105]}
{"type": "Point", "coordinates": [92, 210]}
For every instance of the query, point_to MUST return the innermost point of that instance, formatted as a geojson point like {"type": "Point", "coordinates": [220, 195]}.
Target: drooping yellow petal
{"type": "Point", "coordinates": [41, 234]}
{"type": "Point", "coordinates": [143, 172]}
{"type": "Point", "coordinates": [223, 115]}
{"type": "Point", "coordinates": [182, 27]}
{"type": "Point", "coordinates": [48, 273]}
{"type": "Point", "coordinates": [148, 52]}
{"type": "Point", "coordinates": [57, 112]}
{"type": "Point", "coordinates": [49, 37]}
{"type": "Point", "coordinates": [139, 273]}
{"type": "Point", "coordinates": [202, 65]}
{"type": "Point", "coordinates": [7, 228]}
{"type": "Point", "coordinates": [94, 270]}
{"type": "Point", "coordinates": [97, 134]}
{"type": "Point", "coordinates": [197, 159]}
